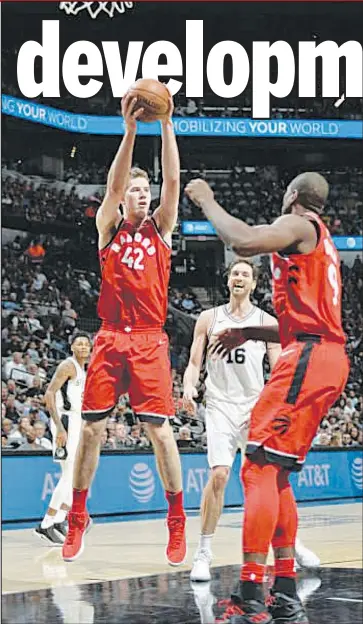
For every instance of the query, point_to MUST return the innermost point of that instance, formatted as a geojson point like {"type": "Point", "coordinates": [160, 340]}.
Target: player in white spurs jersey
{"type": "Point", "coordinates": [233, 386]}
{"type": "Point", "coordinates": [64, 403]}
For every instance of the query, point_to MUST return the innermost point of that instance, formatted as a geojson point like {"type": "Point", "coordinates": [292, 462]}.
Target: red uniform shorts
{"type": "Point", "coordinates": [133, 362]}
{"type": "Point", "coordinates": [307, 379]}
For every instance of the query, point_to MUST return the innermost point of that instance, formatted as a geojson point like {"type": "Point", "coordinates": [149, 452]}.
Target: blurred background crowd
{"type": "Point", "coordinates": [50, 287]}
{"type": "Point", "coordinates": [53, 182]}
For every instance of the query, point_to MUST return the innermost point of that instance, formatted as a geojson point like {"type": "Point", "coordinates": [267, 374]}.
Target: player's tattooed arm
{"type": "Point", "coordinates": [64, 371]}
{"type": "Point", "coordinates": [286, 232]}
{"type": "Point", "coordinates": [166, 214]}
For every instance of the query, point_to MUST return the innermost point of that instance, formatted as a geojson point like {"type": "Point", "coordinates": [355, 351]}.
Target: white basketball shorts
{"type": "Point", "coordinates": [227, 430]}
{"type": "Point", "coordinates": [75, 424]}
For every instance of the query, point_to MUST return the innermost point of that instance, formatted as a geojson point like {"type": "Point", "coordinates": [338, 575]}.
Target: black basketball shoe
{"type": "Point", "coordinates": [50, 535]}
{"type": "Point", "coordinates": [62, 527]}
{"type": "Point", "coordinates": [286, 610]}
{"type": "Point", "coordinates": [240, 611]}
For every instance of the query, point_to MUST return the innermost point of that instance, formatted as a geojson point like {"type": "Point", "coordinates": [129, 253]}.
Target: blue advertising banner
{"type": "Point", "coordinates": [129, 483]}
{"type": "Point", "coordinates": [184, 126]}
{"type": "Point", "coordinates": [205, 228]}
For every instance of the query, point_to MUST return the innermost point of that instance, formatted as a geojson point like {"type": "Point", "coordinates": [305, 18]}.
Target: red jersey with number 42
{"type": "Point", "coordinates": [135, 277]}
{"type": "Point", "coordinates": [307, 290]}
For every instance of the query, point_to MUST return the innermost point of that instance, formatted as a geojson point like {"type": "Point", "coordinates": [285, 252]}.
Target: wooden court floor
{"type": "Point", "coordinates": [134, 549]}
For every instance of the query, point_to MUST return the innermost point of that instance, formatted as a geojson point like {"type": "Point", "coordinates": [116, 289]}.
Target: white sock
{"type": "Point", "coordinates": [47, 521]}
{"type": "Point", "coordinates": [205, 542]}
{"type": "Point", "coordinates": [61, 516]}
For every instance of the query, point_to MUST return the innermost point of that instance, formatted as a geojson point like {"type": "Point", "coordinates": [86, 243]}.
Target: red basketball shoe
{"type": "Point", "coordinates": [78, 523]}
{"type": "Point", "coordinates": [176, 550]}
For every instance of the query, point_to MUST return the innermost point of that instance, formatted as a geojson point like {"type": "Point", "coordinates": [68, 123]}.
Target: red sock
{"type": "Point", "coordinates": [252, 571]}
{"type": "Point", "coordinates": [175, 500]}
{"type": "Point", "coordinates": [79, 500]}
{"type": "Point", "coordinates": [261, 505]}
{"type": "Point", "coordinates": [285, 568]}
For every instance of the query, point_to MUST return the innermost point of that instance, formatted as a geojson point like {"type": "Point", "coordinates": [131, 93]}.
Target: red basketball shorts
{"type": "Point", "coordinates": [137, 363]}
{"type": "Point", "coordinates": [307, 379]}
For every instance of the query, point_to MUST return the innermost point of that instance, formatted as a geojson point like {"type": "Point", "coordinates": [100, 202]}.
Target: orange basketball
{"type": "Point", "coordinates": [151, 95]}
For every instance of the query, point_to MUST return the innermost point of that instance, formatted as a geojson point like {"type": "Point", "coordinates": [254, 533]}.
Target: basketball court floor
{"type": "Point", "coordinates": [122, 576]}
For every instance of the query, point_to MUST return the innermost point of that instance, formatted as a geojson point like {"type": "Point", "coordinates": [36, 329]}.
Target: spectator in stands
{"type": "Point", "coordinates": [35, 252]}
{"type": "Point", "coordinates": [122, 439]}
{"type": "Point", "coordinates": [69, 316]}
{"type": "Point", "coordinates": [185, 437]}
{"type": "Point", "coordinates": [40, 438]}
{"type": "Point", "coordinates": [15, 368]}
{"type": "Point", "coordinates": [30, 444]}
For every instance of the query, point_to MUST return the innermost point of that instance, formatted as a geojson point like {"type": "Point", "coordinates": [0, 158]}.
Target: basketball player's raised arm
{"type": "Point", "coordinates": [65, 371]}
{"type": "Point", "coordinates": [192, 371]}
{"type": "Point", "coordinates": [228, 339]}
{"type": "Point", "coordinates": [108, 216]}
{"type": "Point", "coordinates": [166, 214]}
{"type": "Point", "coordinates": [287, 231]}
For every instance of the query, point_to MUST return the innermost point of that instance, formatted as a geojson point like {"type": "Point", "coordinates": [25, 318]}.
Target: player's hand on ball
{"type": "Point", "coordinates": [225, 341]}
{"type": "Point", "coordinates": [61, 438]}
{"type": "Point", "coordinates": [199, 192]}
{"type": "Point", "coordinates": [129, 113]}
{"type": "Point", "coordinates": [190, 393]}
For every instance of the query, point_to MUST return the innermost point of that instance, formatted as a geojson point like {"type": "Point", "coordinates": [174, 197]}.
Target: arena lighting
{"type": "Point", "coordinates": [123, 72]}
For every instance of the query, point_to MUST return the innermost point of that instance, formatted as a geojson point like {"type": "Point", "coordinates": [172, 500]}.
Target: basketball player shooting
{"type": "Point", "coordinates": [64, 403]}
{"type": "Point", "coordinates": [131, 350]}
{"type": "Point", "coordinates": [233, 385]}
{"type": "Point", "coordinates": [308, 378]}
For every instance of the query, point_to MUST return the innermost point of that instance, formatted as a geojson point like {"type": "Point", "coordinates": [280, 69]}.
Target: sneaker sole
{"type": "Point", "coordinates": [196, 579]}
{"type": "Point", "coordinates": [45, 539]}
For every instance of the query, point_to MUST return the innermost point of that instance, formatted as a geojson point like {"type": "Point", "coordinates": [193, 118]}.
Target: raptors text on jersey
{"type": "Point", "coordinates": [135, 277]}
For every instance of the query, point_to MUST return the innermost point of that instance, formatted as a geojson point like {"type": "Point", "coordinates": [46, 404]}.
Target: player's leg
{"type": "Point", "coordinates": [151, 399]}
{"type": "Point", "coordinates": [283, 424]}
{"type": "Point", "coordinates": [103, 386]}
{"type": "Point", "coordinates": [169, 468]}
{"type": "Point", "coordinates": [52, 527]}
{"type": "Point", "coordinates": [222, 443]}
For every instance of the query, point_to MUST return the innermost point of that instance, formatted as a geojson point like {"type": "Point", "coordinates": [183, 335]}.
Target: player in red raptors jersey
{"type": "Point", "coordinates": [307, 379]}
{"type": "Point", "coordinates": [131, 350]}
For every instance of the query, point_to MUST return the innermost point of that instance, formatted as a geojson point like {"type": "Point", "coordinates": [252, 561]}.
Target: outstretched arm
{"type": "Point", "coordinates": [108, 216]}
{"type": "Point", "coordinates": [167, 213]}
{"type": "Point", "coordinates": [287, 231]}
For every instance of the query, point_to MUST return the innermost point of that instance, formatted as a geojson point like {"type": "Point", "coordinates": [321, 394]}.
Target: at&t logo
{"type": "Point", "coordinates": [357, 472]}
{"type": "Point", "coordinates": [142, 482]}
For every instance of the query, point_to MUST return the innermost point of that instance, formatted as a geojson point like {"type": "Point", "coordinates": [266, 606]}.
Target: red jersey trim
{"type": "Point", "coordinates": [114, 236]}
{"type": "Point", "coordinates": [315, 221]}
{"type": "Point", "coordinates": [159, 233]}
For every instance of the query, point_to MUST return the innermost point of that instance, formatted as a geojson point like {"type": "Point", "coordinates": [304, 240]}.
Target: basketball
{"type": "Point", "coordinates": [151, 95]}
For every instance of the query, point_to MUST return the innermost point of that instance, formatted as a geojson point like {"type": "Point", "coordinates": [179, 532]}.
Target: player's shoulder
{"type": "Point", "coordinates": [208, 314]}
{"type": "Point", "coordinates": [266, 319]}
{"type": "Point", "coordinates": [205, 319]}
{"type": "Point", "coordinates": [67, 367]}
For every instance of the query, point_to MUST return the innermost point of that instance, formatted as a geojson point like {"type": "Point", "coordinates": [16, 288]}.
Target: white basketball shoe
{"type": "Point", "coordinates": [201, 566]}
{"type": "Point", "coordinates": [305, 558]}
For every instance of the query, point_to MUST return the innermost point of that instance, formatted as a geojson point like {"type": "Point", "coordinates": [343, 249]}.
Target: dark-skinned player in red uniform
{"type": "Point", "coordinates": [307, 379]}
{"type": "Point", "coordinates": [131, 350]}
